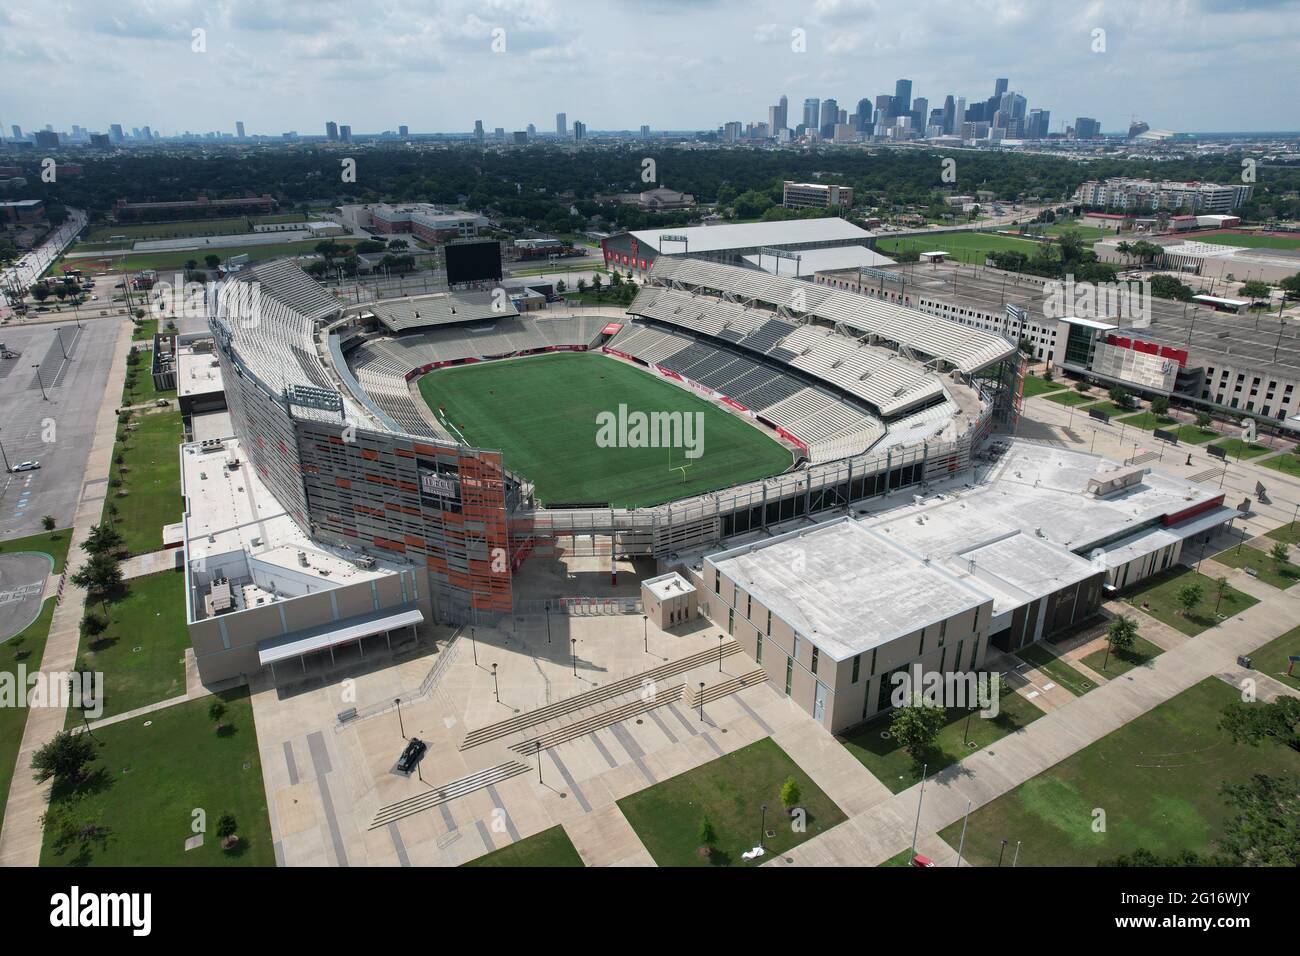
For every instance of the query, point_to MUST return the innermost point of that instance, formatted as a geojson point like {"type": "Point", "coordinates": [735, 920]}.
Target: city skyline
{"type": "Point", "coordinates": [1148, 63]}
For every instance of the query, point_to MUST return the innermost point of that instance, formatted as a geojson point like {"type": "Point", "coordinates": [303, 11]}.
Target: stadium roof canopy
{"type": "Point", "coordinates": [399, 315]}
{"type": "Point", "coordinates": [821, 260]}
{"type": "Point", "coordinates": [749, 235]}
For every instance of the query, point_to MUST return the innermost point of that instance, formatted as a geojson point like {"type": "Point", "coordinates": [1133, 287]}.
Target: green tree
{"type": "Point", "coordinates": [1204, 420]}
{"type": "Point", "coordinates": [102, 539]}
{"type": "Point", "coordinates": [1188, 597]}
{"type": "Point", "coordinates": [1121, 635]}
{"type": "Point", "coordinates": [1257, 721]}
{"type": "Point", "coordinates": [64, 758]}
{"type": "Point", "coordinates": [1160, 405]}
{"type": "Point", "coordinates": [1280, 554]}
{"type": "Point", "coordinates": [212, 260]}
{"type": "Point", "coordinates": [915, 725]}
{"type": "Point", "coordinates": [790, 793]}
{"type": "Point", "coordinates": [48, 522]}
{"type": "Point", "coordinates": [1255, 289]}
{"type": "Point", "coordinates": [1266, 829]}
{"type": "Point", "coordinates": [1120, 396]}
{"type": "Point", "coordinates": [70, 825]}
{"type": "Point", "coordinates": [706, 834]}
{"type": "Point", "coordinates": [216, 710]}
{"type": "Point", "coordinates": [99, 576]}
{"type": "Point", "coordinates": [226, 825]}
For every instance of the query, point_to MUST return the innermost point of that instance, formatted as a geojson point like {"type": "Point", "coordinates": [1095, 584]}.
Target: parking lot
{"type": "Point", "coordinates": [49, 416]}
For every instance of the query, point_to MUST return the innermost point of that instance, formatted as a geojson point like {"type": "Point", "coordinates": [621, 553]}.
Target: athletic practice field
{"type": "Point", "coordinates": [542, 412]}
{"type": "Point", "coordinates": [968, 247]}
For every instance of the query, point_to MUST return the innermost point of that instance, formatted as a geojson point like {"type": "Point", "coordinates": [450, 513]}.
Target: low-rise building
{"type": "Point", "coordinates": [816, 196]}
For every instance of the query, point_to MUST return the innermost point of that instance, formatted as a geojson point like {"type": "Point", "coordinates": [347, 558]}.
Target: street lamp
{"type": "Point", "coordinates": [496, 689]}
{"type": "Point", "coordinates": [473, 644]}
{"type": "Point", "coordinates": [548, 622]}
{"type": "Point", "coordinates": [965, 737]}
{"type": "Point", "coordinates": [701, 700]}
{"type": "Point", "coordinates": [1002, 851]}
{"type": "Point", "coordinates": [401, 729]}
{"type": "Point", "coordinates": [719, 653]}
{"type": "Point", "coordinates": [645, 633]}
{"type": "Point", "coordinates": [40, 381]}
{"type": "Point", "coordinates": [762, 827]}
{"type": "Point", "coordinates": [573, 654]}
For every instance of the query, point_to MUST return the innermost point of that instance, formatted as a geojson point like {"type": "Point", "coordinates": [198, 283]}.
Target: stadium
{"type": "Point", "coordinates": [417, 451]}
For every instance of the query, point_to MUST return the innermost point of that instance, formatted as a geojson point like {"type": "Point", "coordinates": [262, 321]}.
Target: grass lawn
{"type": "Point", "coordinates": [1148, 421]}
{"type": "Point", "coordinates": [176, 260]}
{"type": "Point", "coordinates": [1195, 434]}
{"type": "Point", "coordinates": [1287, 464]}
{"type": "Point", "coordinates": [730, 791]}
{"type": "Point", "coordinates": [152, 482]}
{"type": "Point", "coordinates": [968, 247]}
{"type": "Point", "coordinates": [183, 229]}
{"type": "Point", "coordinates": [899, 859]}
{"type": "Point", "coordinates": [1089, 234]}
{"type": "Point", "coordinates": [140, 390]}
{"type": "Point", "coordinates": [149, 780]}
{"type": "Point", "coordinates": [1271, 659]}
{"type": "Point", "coordinates": [1236, 449]}
{"type": "Point", "coordinates": [1265, 568]}
{"type": "Point", "coordinates": [144, 331]}
{"type": "Point", "coordinates": [53, 543]}
{"type": "Point", "coordinates": [1157, 778]}
{"type": "Point", "coordinates": [1289, 532]}
{"type": "Point", "coordinates": [142, 653]}
{"type": "Point", "coordinates": [1251, 240]}
{"type": "Point", "coordinates": [1110, 408]}
{"type": "Point", "coordinates": [891, 765]}
{"type": "Point", "coordinates": [549, 848]}
{"type": "Point", "coordinates": [1139, 655]}
{"type": "Point", "coordinates": [1070, 398]}
{"type": "Point", "coordinates": [1039, 386]}
{"type": "Point", "coordinates": [1055, 668]}
{"type": "Point", "coordinates": [25, 648]}
{"type": "Point", "coordinates": [1156, 596]}
{"type": "Point", "coordinates": [542, 413]}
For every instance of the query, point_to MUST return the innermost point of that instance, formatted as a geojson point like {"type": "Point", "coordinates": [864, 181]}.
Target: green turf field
{"type": "Point", "coordinates": [968, 247]}
{"type": "Point", "coordinates": [1247, 240]}
{"type": "Point", "coordinates": [542, 413]}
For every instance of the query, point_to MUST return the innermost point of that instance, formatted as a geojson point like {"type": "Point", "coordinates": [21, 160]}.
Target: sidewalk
{"type": "Point", "coordinates": [20, 841]}
{"type": "Point", "coordinates": [869, 838]}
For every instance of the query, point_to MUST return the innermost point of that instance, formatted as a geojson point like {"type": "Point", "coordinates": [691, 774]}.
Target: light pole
{"type": "Point", "coordinates": [474, 644]}
{"type": "Point", "coordinates": [400, 727]}
{"type": "Point", "coordinates": [40, 381]}
{"type": "Point", "coordinates": [1016, 856]}
{"type": "Point", "coordinates": [573, 654]}
{"type": "Point", "coordinates": [4, 456]}
{"type": "Point", "coordinates": [548, 622]}
{"type": "Point", "coordinates": [962, 845]}
{"type": "Point", "coordinates": [645, 632]}
{"type": "Point", "coordinates": [59, 335]}
{"type": "Point", "coordinates": [919, 797]}
{"type": "Point", "coordinates": [1002, 851]}
{"type": "Point", "coordinates": [701, 700]}
{"type": "Point", "coordinates": [539, 761]}
{"type": "Point", "coordinates": [965, 736]}
{"type": "Point", "coordinates": [496, 689]}
{"type": "Point", "coordinates": [762, 827]}
{"type": "Point", "coordinates": [719, 653]}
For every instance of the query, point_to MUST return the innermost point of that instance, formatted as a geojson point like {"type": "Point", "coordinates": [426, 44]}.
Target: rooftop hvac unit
{"type": "Point", "coordinates": [302, 559]}
{"type": "Point", "coordinates": [366, 563]}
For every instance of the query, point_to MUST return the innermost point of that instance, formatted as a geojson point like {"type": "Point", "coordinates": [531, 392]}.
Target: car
{"type": "Point", "coordinates": [411, 755]}
{"type": "Point", "coordinates": [922, 861]}
{"type": "Point", "coordinates": [162, 403]}
{"type": "Point", "coordinates": [26, 466]}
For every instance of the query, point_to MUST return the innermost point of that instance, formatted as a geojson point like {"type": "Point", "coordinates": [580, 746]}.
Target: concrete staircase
{"type": "Point", "coordinates": [449, 791]}
{"type": "Point", "coordinates": [725, 688]}
{"type": "Point", "coordinates": [571, 705]}
{"type": "Point", "coordinates": [597, 721]}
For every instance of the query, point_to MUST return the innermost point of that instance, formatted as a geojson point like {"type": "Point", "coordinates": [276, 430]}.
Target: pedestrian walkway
{"type": "Point", "coordinates": [153, 562]}
{"type": "Point", "coordinates": [885, 829]}
{"type": "Point", "coordinates": [603, 837]}
{"type": "Point", "coordinates": [20, 840]}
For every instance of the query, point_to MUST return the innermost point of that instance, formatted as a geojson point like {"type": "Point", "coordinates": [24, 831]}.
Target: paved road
{"type": "Point", "coordinates": [26, 270]}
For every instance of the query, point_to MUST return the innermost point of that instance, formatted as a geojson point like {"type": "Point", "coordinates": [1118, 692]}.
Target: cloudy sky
{"type": "Point", "coordinates": [1206, 65]}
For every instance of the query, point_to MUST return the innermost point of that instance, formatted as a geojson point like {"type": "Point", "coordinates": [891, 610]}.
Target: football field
{"type": "Point", "coordinates": [545, 414]}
